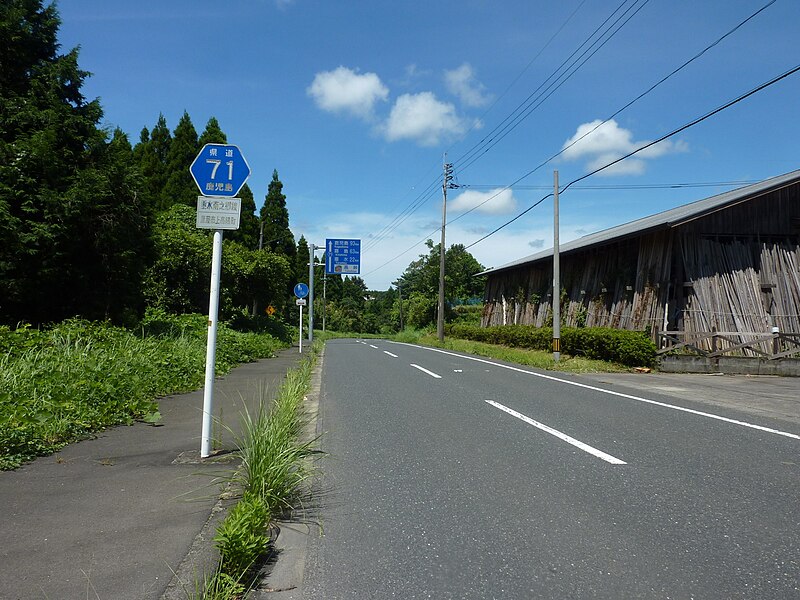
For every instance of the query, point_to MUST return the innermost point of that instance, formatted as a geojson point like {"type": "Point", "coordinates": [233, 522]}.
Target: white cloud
{"type": "Point", "coordinates": [424, 119]}
{"type": "Point", "coordinates": [601, 143]}
{"type": "Point", "coordinates": [461, 82]}
{"type": "Point", "coordinates": [344, 90]}
{"type": "Point", "coordinates": [495, 202]}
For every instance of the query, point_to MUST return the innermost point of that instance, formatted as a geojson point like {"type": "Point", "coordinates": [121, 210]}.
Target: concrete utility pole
{"type": "Point", "coordinates": [260, 246]}
{"type": "Point", "coordinates": [556, 276]}
{"type": "Point", "coordinates": [448, 177]}
{"type": "Point", "coordinates": [311, 248]}
{"type": "Point", "coordinates": [400, 294]}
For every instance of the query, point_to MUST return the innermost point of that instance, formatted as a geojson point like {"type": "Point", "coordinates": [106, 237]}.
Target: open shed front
{"type": "Point", "coordinates": [714, 274]}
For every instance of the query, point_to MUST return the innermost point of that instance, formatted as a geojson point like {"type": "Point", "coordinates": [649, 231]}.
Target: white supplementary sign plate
{"type": "Point", "coordinates": [300, 302]}
{"type": "Point", "coordinates": [218, 213]}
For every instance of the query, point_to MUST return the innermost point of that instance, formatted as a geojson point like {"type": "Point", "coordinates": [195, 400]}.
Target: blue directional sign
{"type": "Point", "coordinates": [342, 257]}
{"type": "Point", "coordinates": [220, 170]}
{"type": "Point", "coordinates": [301, 290]}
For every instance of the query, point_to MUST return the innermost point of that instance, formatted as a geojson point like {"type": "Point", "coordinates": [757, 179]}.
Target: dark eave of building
{"type": "Point", "coordinates": [663, 220]}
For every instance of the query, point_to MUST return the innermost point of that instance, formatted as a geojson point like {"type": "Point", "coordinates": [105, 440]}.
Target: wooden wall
{"type": "Point", "coordinates": [736, 270]}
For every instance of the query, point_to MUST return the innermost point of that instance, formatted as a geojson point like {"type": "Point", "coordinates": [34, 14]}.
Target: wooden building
{"type": "Point", "coordinates": [727, 264]}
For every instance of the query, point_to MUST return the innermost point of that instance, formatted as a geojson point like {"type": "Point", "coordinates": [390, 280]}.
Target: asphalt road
{"type": "Point", "coordinates": [450, 477]}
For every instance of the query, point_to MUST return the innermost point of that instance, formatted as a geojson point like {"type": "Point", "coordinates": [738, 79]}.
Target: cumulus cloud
{"type": "Point", "coordinates": [496, 202]}
{"type": "Point", "coordinates": [344, 90]}
{"type": "Point", "coordinates": [423, 118]}
{"type": "Point", "coordinates": [462, 83]}
{"type": "Point", "coordinates": [536, 243]}
{"type": "Point", "coordinates": [601, 144]}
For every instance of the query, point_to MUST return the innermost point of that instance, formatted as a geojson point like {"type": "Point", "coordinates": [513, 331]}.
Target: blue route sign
{"type": "Point", "coordinates": [301, 290]}
{"type": "Point", "coordinates": [220, 170]}
{"type": "Point", "coordinates": [342, 257]}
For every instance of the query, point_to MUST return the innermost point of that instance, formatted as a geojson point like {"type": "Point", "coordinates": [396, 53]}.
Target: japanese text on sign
{"type": "Point", "coordinates": [218, 213]}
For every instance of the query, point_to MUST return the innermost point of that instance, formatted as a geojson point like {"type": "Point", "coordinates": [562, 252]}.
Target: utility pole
{"type": "Point", "coordinates": [400, 293]}
{"type": "Point", "coordinates": [260, 245]}
{"type": "Point", "coordinates": [324, 293]}
{"type": "Point", "coordinates": [311, 248]}
{"type": "Point", "coordinates": [446, 183]}
{"type": "Point", "coordinates": [556, 276]}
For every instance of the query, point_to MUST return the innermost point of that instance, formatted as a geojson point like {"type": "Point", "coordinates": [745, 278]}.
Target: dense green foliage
{"type": "Point", "coordinates": [71, 222]}
{"type": "Point", "coordinates": [61, 384]}
{"type": "Point", "coordinates": [95, 228]}
{"type": "Point", "coordinates": [631, 348]}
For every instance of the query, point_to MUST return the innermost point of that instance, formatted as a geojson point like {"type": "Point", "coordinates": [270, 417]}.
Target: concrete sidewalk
{"type": "Point", "coordinates": [114, 517]}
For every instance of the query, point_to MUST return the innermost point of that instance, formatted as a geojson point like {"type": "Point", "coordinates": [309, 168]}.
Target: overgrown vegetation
{"type": "Point", "coordinates": [271, 481]}
{"type": "Point", "coordinates": [630, 348]}
{"type": "Point", "coordinates": [61, 384]}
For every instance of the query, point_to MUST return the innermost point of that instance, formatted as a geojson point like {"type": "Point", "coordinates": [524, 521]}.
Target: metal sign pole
{"type": "Point", "coordinates": [211, 345]}
{"type": "Point", "coordinates": [301, 328]}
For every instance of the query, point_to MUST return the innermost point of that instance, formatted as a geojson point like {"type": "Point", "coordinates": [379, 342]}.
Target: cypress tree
{"type": "Point", "coordinates": [180, 188]}
{"type": "Point", "coordinates": [275, 218]}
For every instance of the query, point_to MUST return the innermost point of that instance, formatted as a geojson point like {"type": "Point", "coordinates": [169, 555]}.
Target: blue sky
{"type": "Point", "coordinates": [355, 104]}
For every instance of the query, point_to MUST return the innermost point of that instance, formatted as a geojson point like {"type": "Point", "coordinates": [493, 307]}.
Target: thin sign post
{"type": "Point", "coordinates": [220, 171]}
{"type": "Point", "coordinates": [301, 291]}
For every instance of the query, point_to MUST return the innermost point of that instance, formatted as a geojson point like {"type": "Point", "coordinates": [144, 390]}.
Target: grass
{"type": "Point", "coordinates": [65, 383]}
{"type": "Point", "coordinates": [271, 481]}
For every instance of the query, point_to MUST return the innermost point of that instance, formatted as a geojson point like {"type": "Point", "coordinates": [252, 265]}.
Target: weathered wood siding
{"type": "Point", "coordinates": [735, 270]}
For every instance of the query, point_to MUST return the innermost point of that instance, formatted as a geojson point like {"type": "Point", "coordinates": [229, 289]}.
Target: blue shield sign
{"type": "Point", "coordinates": [220, 170]}
{"type": "Point", "coordinates": [342, 257]}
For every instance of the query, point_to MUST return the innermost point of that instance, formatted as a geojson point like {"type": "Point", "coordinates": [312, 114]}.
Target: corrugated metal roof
{"type": "Point", "coordinates": [662, 220]}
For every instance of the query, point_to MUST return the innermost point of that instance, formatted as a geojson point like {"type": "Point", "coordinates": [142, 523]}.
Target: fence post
{"type": "Point", "coordinates": [776, 340]}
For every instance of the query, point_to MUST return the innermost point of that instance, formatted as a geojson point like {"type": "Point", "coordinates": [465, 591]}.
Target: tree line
{"type": "Point", "coordinates": [97, 227]}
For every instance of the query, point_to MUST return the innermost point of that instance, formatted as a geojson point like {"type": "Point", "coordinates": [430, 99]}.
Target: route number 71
{"type": "Point", "coordinates": [217, 162]}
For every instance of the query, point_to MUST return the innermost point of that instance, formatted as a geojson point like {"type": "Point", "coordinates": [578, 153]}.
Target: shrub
{"type": "Point", "coordinates": [630, 348]}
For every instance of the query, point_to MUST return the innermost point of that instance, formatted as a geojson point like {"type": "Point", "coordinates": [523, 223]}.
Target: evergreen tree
{"type": "Point", "coordinates": [275, 219]}
{"type": "Point", "coordinates": [248, 231]}
{"type": "Point", "coordinates": [212, 134]}
{"type": "Point", "coordinates": [180, 188]}
{"type": "Point", "coordinates": [152, 152]}
{"type": "Point", "coordinates": [62, 189]}
{"type": "Point", "coordinates": [302, 260]}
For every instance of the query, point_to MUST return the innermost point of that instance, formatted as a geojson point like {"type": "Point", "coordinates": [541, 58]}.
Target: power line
{"type": "Point", "coordinates": [708, 115]}
{"type": "Point", "coordinates": [424, 196]}
{"type": "Point", "coordinates": [633, 186]}
{"type": "Point", "coordinates": [557, 78]}
{"type": "Point", "coordinates": [626, 106]}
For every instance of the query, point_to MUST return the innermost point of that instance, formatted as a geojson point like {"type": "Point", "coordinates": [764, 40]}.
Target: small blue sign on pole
{"type": "Point", "coordinates": [301, 290]}
{"type": "Point", "coordinates": [342, 257]}
{"type": "Point", "coordinates": [220, 170]}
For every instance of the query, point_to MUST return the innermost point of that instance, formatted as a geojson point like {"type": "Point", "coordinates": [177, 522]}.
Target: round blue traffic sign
{"type": "Point", "coordinates": [301, 290]}
{"type": "Point", "coordinates": [220, 170]}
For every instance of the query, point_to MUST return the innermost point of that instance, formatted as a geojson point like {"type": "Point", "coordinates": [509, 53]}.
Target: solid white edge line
{"type": "Point", "coordinates": [700, 413]}
{"type": "Point", "coordinates": [424, 370]}
{"type": "Point", "coordinates": [390, 354]}
{"type": "Point", "coordinates": [562, 436]}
